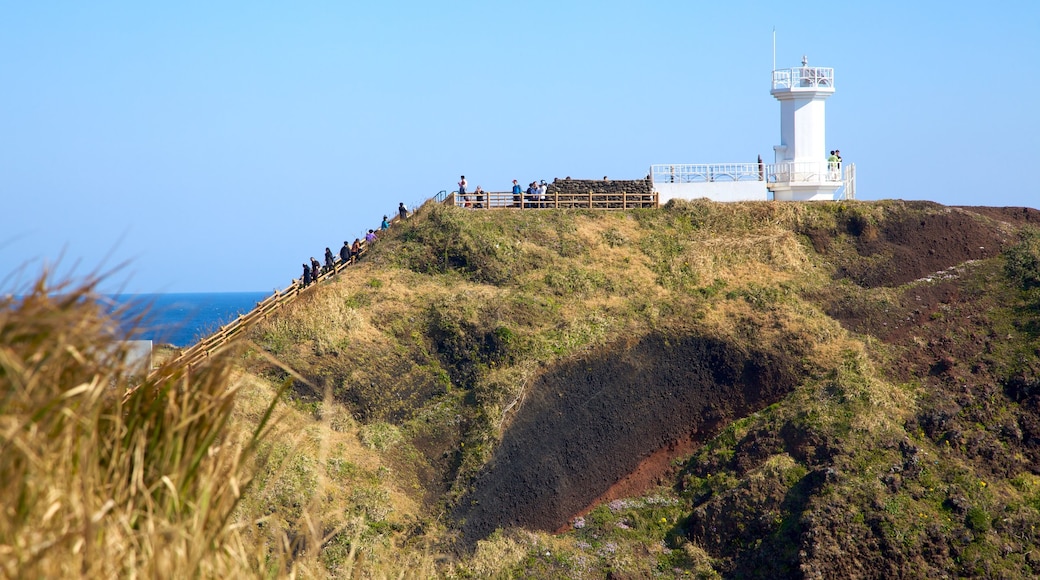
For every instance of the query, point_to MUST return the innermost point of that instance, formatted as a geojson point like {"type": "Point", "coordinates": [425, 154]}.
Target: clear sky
{"type": "Point", "coordinates": [214, 146]}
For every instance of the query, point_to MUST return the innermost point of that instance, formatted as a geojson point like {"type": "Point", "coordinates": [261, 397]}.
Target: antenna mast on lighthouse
{"type": "Point", "coordinates": [774, 48]}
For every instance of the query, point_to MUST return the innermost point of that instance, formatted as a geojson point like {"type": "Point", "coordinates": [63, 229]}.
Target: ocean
{"type": "Point", "coordinates": [181, 319]}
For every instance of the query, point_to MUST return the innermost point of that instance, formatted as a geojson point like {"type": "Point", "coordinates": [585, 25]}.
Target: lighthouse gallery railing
{"type": "Point", "coordinates": [803, 77]}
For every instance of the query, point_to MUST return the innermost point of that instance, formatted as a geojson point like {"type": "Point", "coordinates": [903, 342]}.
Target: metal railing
{"type": "Point", "coordinates": [704, 173]}
{"type": "Point", "coordinates": [803, 77]}
{"type": "Point", "coordinates": [803, 172]}
{"type": "Point", "coordinates": [849, 189]}
{"type": "Point", "coordinates": [786, 172]}
{"type": "Point", "coordinates": [553, 200]}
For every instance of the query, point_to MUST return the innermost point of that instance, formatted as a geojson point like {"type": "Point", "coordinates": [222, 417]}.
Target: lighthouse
{"type": "Point", "coordinates": [801, 171]}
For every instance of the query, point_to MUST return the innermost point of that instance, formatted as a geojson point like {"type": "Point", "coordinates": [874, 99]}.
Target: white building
{"type": "Point", "coordinates": [800, 170]}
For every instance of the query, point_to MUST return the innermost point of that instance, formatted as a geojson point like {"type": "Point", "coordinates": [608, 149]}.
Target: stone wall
{"type": "Point", "coordinates": [601, 194]}
{"type": "Point", "coordinates": [617, 186]}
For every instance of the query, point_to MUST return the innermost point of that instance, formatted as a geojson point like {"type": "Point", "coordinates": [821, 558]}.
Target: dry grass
{"type": "Point", "coordinates": [327, 500]}
{"type": "Point", "coordinates": [97, 484]}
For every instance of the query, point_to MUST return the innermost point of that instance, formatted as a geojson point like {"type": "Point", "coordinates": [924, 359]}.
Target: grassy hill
{"type": "Point", "coordinates": [704, 390]}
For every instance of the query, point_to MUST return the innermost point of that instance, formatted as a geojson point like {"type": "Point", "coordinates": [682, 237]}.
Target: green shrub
{"type": "Point", "coordinates": [1022, 261]}
{"type": "Point", "coordinates": [978, 520]}
{"type": "Point", "coordinates": [380, 436]}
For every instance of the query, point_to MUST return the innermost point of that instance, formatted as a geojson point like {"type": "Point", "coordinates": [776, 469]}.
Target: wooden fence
{"type": "Point", "coordinates": [213, 343]}
{"type": "Point", "coordinates": [554, 200]}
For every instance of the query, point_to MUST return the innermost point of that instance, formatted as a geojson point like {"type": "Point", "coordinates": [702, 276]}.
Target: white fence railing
{"type": "Point", "coordinates": [803, 172]}
{"type": "Point", "coordinates": [840, 174]}
{"type": "Point", "coordinates": [804, 77]}
{"type": "Point", "coordinates": [702, 173]}
{"type": "Point", "coordinates": [849, 189]}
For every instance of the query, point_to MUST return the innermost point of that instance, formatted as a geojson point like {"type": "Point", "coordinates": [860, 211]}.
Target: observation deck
{"type": "Point", "coordinates": [803, 78]}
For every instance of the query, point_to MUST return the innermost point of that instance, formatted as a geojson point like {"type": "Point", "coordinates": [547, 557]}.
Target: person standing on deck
{"type": "Point", "coordinates": [518, 192]}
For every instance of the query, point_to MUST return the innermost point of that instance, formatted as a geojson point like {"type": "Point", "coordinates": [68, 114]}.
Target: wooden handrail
{"type": "Point", "coordinates": [213, 343]}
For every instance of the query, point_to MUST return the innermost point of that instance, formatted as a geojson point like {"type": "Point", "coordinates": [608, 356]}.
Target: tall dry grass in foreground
{"type": "Point", "coordinates": [103, 473]}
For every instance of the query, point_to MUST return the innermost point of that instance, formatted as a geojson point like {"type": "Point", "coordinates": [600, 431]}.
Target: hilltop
{"type": "Point", "coordinates": [735, 390]}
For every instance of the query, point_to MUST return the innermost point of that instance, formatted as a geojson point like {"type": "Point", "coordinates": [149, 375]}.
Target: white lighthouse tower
{"type": "Point", "coordinates": [801, 171]}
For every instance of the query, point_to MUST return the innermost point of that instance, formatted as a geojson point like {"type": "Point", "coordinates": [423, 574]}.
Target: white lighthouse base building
{"type": "Point", "coordinates": [717, 182]}
{"type": "Point", "coordinates": [814, 181]}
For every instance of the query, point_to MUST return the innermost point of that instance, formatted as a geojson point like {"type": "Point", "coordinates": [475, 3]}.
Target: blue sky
{"type": "Point", "coordinates": [214, 146]}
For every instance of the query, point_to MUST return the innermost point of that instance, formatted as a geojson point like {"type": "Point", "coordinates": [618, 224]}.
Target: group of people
{"type": "Point", "coordinates": [834, 165]}
{"type": "Point", "coordinates": [467, 201]}
{"type": "Point", "coordinates": [534, 196]}
{"type": "Point", "coordinates": [348, 253]}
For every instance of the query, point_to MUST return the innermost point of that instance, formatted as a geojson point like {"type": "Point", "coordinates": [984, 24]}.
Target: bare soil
{"type": "Point", "coordinates": [590, 424]}
{"type": "Point", "coordinates": [911, 245]}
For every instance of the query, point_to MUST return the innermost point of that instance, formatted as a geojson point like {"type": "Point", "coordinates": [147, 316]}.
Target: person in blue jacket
{"type": "Point", "coordinates": [518, 193]}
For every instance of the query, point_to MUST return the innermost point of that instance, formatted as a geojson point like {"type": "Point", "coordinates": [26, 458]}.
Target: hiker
{"type": "Point", "coordinates": [306, 280]}
{"type": "Point", "coordinates": [480, 197]}
{"type": "Point", "coordinates": [385, 225]}
{"type": "Point", "coordinates": [315, 269]}
{"type": "Point", "coordinates": [370, 236]}
{"type": "Point", "coordinates": [344, 252]}
{"type": "Point", "coordinates": [462, 186]}
{"type": "Point", "coordinates": [355, 249]}
{"type": "Point", "coordinates": [542, 187]}
{"type": "Point", "coordinates": [330, 261]}
{"type": "Point", "coordinates": [532, 194]}
{"type": "Point", "coordinates": [402, 211]}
